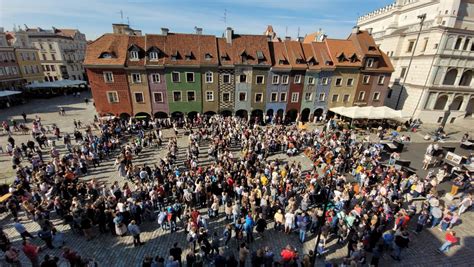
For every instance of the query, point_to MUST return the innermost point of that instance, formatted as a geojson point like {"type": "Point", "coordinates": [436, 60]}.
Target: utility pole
{"type": "Point", "coordinates": [422, 18]}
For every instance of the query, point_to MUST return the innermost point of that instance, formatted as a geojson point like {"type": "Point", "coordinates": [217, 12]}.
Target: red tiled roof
{"type": "Point", "coordinates": [139, 42]}
{"type": "Point", "coordinates": [157, 41]}
{"type": "Point", "coordinates": [343, 48]}
{"type": "Point", "coordinates": [114, 44]}
{"type": "Point", "coordinates": [295, 54]}
{"type": "Point", "coordinates": [366, 45]}
{"type": "Point", "coordinates": [248, 44]}
{"type": "Point", "coordinates": [194, 45]}
{"type": "Point", "coordinates": [280, 59]}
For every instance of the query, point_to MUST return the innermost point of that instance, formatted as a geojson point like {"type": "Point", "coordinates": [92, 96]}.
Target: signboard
{"type": "Point", "coordinates": [453, 158]}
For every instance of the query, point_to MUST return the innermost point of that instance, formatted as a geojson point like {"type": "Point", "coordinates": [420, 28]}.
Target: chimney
{"type": "Point", "coordinates": [198, 31]}
{"type": "Point", "coordinates": [288, 38]}
{"type": "Point", "coordinates": [229, 34]}
{"type": "Point", "coordinates": [369, 30]}
{"type": "Point", "coordinates": [300, 39]}
{"type": "Point", "coordinates": [355, 29]}
{"type": "Point", "coordinates": [164, 31]}
{"type": "Point", "coordinates": [1, 29]}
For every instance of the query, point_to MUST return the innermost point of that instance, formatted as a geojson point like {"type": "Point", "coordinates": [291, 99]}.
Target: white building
{"type": "Point", "coordinates": [61, 52]}
{"type": "Point", "coordinates": [438, 84]}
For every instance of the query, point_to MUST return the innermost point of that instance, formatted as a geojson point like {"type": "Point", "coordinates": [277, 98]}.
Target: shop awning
{"type": "Point", "coordinates": [55, 84]}
{"type": "Point", "coordinates": [371, 113]}
{"type": "Point", "coordinates": [9, 93]}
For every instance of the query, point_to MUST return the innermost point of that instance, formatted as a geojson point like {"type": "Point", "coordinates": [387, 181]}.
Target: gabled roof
{"type": "Point", "coordinates": [321, 55]}
{"type": "Point", "coordinates": [252, 45]}
{"type": "Point", "coordinates": [366, 46]}
{"type": "Point", "coordinates": [156, 41]}
{"type": "Point", "coordinates": [114, 44]}
{"type": "Point", "coordinates": [134, 43]}
{"type": "Point", "coordinates": [194, 45]}
{"type": "Point", "coordinates": [280, 60]}
{"type": "Point", "coordinates": [296, 54]}
{"type": "Point", "coordinates": [337, 48]}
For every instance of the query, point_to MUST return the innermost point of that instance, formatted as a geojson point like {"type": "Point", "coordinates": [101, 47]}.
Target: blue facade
{"type": "Point", "coordinates": [276, 89]}
{"type": "Point", "coordinates": [322, 87]}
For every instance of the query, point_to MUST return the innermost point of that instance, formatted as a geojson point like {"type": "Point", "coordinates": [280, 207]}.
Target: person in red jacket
{"type": "Point", "coordinates": [288, 254]}
{"type": "Point", "coordinates": [450, 240]}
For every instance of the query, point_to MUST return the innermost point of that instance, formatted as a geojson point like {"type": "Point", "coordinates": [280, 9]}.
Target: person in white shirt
{"type": "Point", "coordinates": [289, 220]}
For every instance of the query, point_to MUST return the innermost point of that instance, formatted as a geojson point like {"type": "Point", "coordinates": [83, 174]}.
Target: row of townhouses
{"type": "Point", "coordinates": [36, 55]}
{"type": "Point", "coordinates": [175, 74]}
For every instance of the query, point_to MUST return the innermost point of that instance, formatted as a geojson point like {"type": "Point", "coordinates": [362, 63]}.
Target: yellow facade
{"type": "Point", "coordinates": [29, 64]}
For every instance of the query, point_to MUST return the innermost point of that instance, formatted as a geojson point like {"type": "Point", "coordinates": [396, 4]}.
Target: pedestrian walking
{"type": "Point", "coordinates": [135, 232]}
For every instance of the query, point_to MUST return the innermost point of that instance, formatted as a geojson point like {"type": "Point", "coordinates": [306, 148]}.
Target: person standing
{"type": "Point", "coordinates": [401, 242]}
{"type": "Point", "coordinates": [135, 231]}
{"type": "Point", "coordinates": [24, 116]}
{"type": "Point", "coordinates": [31, 251]}
{"type": "Point", "coordinates": [47, 237]}
{"type": "Point", "coordinates": [176, 252]}
{"type": "Point", "coordinates": [465, 204]}
{"type": "Point", "coordinates": [20, 228]}
{"type": "Point", "coordinates": [261, 225]}
{"type": "Point", "coordinates": [12, 256]}
{"type": "Point", "coordinates": [243, 254]}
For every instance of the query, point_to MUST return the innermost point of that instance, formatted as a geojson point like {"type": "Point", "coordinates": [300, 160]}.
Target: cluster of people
{"type": "Point", "coordinates": [349, 193]}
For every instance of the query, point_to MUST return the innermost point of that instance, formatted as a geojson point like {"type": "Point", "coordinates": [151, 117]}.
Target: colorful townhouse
{"type": "Point", "coordinates": [278, 81]}
{"type": "Point", "coordinates": [174, 74]}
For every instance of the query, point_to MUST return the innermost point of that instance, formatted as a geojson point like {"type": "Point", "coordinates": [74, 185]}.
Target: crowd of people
{"type": "Point", "coordinates": [350, 193]}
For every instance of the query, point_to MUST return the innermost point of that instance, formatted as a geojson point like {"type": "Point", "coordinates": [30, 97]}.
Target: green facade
{"type": "Point", "coordinates": [184, 105]}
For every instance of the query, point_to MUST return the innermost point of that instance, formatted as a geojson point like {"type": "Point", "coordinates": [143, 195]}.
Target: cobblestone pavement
{"type": "Point", "coordinates": [109, 250]}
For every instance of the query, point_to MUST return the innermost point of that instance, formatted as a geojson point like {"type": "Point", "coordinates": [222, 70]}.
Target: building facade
{"type": "Point", "coordinates": [27, 56]}
{"type": "Point", "coordinates": [10, 75]}
{"type": "Point", "coordinates": [430, 43]}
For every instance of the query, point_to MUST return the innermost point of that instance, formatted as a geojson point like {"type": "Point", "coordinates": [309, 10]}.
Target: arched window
{"type": "Point", "coordinates": [441, 102]}
{"type": "Point", "coordinates": [450, 77]}
{"type": "Point", "coordinates": [466, 78]}
{"type": "Point", "coordinates": [458, 43]}
{"type": "Point", "coordinates": [457, 102]}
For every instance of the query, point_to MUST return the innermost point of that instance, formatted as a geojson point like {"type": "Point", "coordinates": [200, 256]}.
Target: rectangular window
{"type": "Point", "coordinates": [376, 96]}
{"type": "Point", "coordinates": [284, 79]}
{"type": "Point", "coordinates": [335, 98]}
{"type": "Point", "coordinates": [410, 46]}
{"type": "Point", "coordinates": [322, 96]}
{"type": "Point", "coordinates": [297, 78]}
{"type": "Point", "coordinates": [350, 81]}
{"type": "Point", "coordinates": [112, 96]}
{"type": "Point", "coordinates": [274, 97]}
{"type": "Point", "coordinates": [136, 78]}
{"type": "Point", "coordinates": [282, 97]}
{"type": "Point", "coordinates": [361, 96]}
{"type": "Point", "coordinates": [226, 78]}
{"type": "Point", "coordinates": [366, 79]}
{"type": "Point", "coordinates": [338, 81]}
{"type": "Point", "coordinates": [403, 72]}
{"type": "Point", "coordinates": [209, 96]}
{"type": "Point", "coordinates": [158, 97]}
{"type": "Point", "coordinates": [226, 97]}
{"type": "Point", "coordinates": [243, 78]}
{"type": "Point", "coordinates": [310, 80]}
{"type": "Point", "coordinates": [153, 56]}
{"type": "Point", "coordinates": [295, 97]}
{"type": "Point", "coordinates": [389, 93]}
{"type": "Point", "coordinates": [275, 79]}
{"type": "Point", "coordinates": [133, 55]}
{"type": "Point", "coordinates": [381, 79]}
{"type": "Point", "coordinates": [191, 96]}
{"type": "Point", "coordinates": [308, 96]}
{"type": "Point", "coordinates": [139, 97]}
{"type": "Point", "coordinates": [108, 77]}
{"type": "Point", "coordinates": [53, 56]}
{"type": "Point", "coordinates": [177, 96]}
{"type": "Point", "coordinates": [155, 78]}
{"type": "Point", "coordinates": [260, 79]}
{"type": "Point", "coordinates": [175, 77]}
{"type": "Point", "coordinates": [258, 98]}
{"type": "Point", "coordinates": [346, 98]}
{"type": "Point", "coordinates": [425, 44]}
{"type": "Point", "coordinates": [325, 81]}
{"type": "Point", "coordinates": [190, 77]}
{"type": "Point", "coordinates": [369, 63]}
{"type": "Point", "coordinates": [242, 96]}
{"type": "Point", "coordinates": [209, 77]}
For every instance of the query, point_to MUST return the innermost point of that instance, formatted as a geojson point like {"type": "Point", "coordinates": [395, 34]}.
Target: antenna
{"type": "Point", "coordinates": [286, 31]}
{"type": "Point", "coordinates": [224, 18]}
{"type": "Point", "coordinates": [128, 21]}
{"type": "Point", "coordinates": [121, 15]}
{"type": "Point", "coordinates": [298, 32]}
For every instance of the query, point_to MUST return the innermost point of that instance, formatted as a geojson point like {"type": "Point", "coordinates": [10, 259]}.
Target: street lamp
{"type": "Point", "coordinates": [422, 18]}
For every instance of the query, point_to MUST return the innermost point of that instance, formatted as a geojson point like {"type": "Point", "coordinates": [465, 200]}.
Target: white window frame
{"type": "Point", "coordinates": [283, 99]}
{"type": "Point", "coordinates": [322, 97]}
{"type": "Point", "coordinates": [186, 75]}
{"type": "Point", "coordinates": [271, 97]}
{"type": "Point", "coordinates": [154, 97]}
{"type": "Point", "coordinates": [324, 81]}
{"type": "Point", "coordinates": [369, 63]}
{"type": "Point", "coordinates": [245, 96]}
{"type": "Point", "coordinates": [223, 100]}
{"type": "Point", "coordinates": [153, 76]}
{"type": "Point", "coordinates": [133, 55]}
{"type": "Point", "coordinates": [153, 56]}
{"type": "Point", "coordinates": [261, 98]}
{"type": "Point", "coordinates": [277, 79]}
{"type": "Point", "coordinates": [374, 98]}
{"type": "Point", "coordinates": [310, 97]}
{"type": "Point", "coordinates": [212, 96]}
{"type": "Point", "coordinates": [361, 96]}
{"type": "Point", "coordinates": [139, 80]}
{"type": "Point", "coordinates": [106, 73]}
{"type": "Point", "coordinates": [338, 81]}
{"type": "Point", "coordinates": [187, 96]}
{"type": "Point", "coordinates": [260, 76]}
{"type": "Point", "coordinates": [135, 97]}
{"type": "Point", "coordinates": [285, 79]}
{"type": "Point", "coordinates": [348, 98]}
{"type": "Point", "coordinates": [223, 78]}
{"type": "Point", "coordinates": [337, 98]}
{"type": "Point", "coordinates": [311, 80]}
{"type": "Point", "coordinates": [364, 79]}
{"type": "Point", "coordinates": [211, 80]}
{"type": "Point", "coordinates": [350, 82]}
{"type": "Point", "coordinates": [180, 96]}
{"type": "Point", "coordinates": [246, 78]}
{"type": "Point", "coordinates": [383, 80]}
{"type": "Point", "coordinates": [115, 94]}
{"type": "Point", "coordinates": [179, 77]}
{"type": "Point", "coordinates": [293, 100]}
{"type": "Point", "coordinates": [297, 79]}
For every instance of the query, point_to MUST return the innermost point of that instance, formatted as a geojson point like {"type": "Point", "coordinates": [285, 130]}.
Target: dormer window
{"type": "Point", "coordinates": [133, 55]}
{"type": "Point", "coordinates": [174, 56]}
{"type": "Point", "coordinates": [341, 57]}
{"type": "Point", "coordinates": [208, 56]}
{"type": "Point", "coordinates": [243, 56]}
{"type": "Point", "coordinates": [153, 55]}
{"type": "Point", "coordinates": [372, 48]}
{"type": "Point", "coordinates": [283, 62]}
{"type": "Point", "coordinates": [354, 58]}
{"type": "Point", "coordinates": [189, 56]}
{"type": "Point", "coordinates": [329, 63]}
{"type": "Point", "coordinates": [369, 63]}
{"type": "Point", "coordinates": [312, 61]}
{"type": "Point", "coordinates": [300, 61]}
{"type": "Point", "coordinates": [106, 55]}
